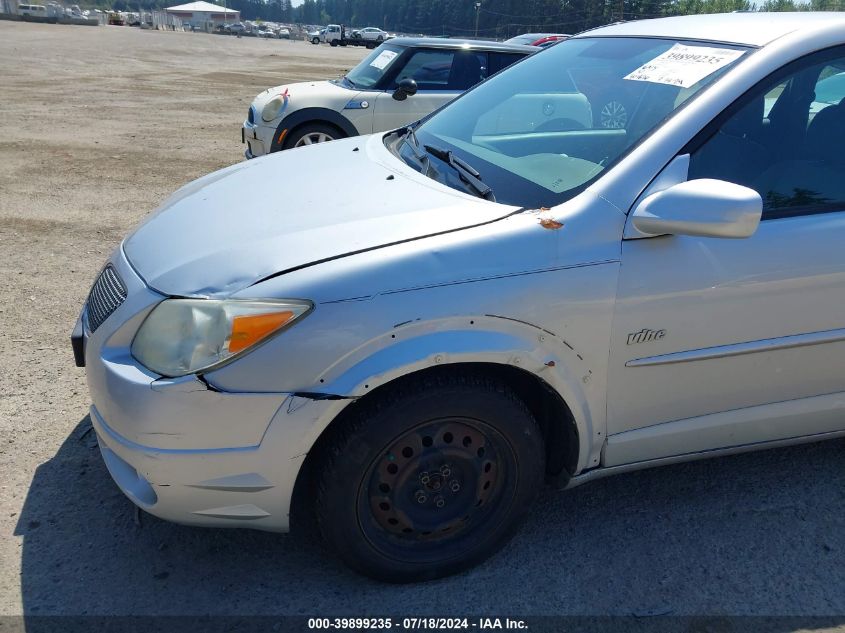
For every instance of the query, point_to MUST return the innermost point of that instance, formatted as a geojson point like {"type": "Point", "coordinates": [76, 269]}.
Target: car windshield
{"type": "Point", "coordinates": [374, 66]}
{"type": "Point", "coordinates": [543, 130]}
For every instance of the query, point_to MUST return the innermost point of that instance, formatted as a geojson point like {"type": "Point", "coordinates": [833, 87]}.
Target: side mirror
{"type": "Point", "coordinates": [708, 208]}
{"type": "Point", "coordinates": [406, 88]}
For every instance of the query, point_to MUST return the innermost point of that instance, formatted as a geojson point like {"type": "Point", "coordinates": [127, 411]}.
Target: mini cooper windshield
{"type": "Point", "coordinates": [539, 133]}
{"type": "Point", "coordinates": [373, 67]}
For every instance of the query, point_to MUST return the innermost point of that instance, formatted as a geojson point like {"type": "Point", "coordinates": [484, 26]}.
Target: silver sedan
{"type": "Point", "coordinates": [513, 297]}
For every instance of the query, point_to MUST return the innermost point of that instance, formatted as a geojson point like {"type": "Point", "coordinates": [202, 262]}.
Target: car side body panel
{"type": "Point", "coordinates": [733, 280]}
{"type": "Point", "coordinates": [455, 298]}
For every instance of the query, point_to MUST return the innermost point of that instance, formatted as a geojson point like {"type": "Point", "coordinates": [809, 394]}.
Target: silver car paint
{"type": "Point", "coordinates": [544, 296]}
{"type": "Point", "coordinates": [246, 235]}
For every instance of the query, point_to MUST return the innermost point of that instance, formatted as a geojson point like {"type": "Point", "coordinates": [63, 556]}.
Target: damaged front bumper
{"type": "Point", "coordinates": [255, 144]}
{"type": "Point", "coordinates": [183, 450]}
{"type": "Point", "coordinates": [250, 486]}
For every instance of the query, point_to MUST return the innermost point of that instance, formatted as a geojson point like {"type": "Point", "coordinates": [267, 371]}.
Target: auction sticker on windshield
{"type": "Point", "coordinates": [383, 59]}
{"type": "Point", "coordinates": [684, 66]}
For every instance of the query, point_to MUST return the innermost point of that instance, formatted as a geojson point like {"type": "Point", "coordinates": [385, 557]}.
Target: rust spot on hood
{"type": "Point", "coordinates": [546, 222]}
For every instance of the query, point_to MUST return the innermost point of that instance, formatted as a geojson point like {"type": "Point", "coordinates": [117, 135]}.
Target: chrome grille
{"type": "Point", "coordinates": [105, 297]}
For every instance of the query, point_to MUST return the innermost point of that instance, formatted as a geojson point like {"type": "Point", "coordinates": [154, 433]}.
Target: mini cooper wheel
{"type": "Point", "coordinates": [429, 480]}
{"type": "Point", "coordinates": [310, 135]}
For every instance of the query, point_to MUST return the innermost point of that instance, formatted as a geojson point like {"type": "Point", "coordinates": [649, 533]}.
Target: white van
{"type": "Point", "coordinates": [35, 10]}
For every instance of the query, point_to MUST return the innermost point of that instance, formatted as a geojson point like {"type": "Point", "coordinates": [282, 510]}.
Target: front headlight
{"type": "Point", "coordinates": [273, 109]}
{"type": "Point", "coordinates": [186, 336]}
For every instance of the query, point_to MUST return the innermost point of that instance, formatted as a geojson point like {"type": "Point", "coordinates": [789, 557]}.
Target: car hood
{"type": "Point", "coordinates": [292, 209]}
{"type": "Point", "coordinates": [306, 94]}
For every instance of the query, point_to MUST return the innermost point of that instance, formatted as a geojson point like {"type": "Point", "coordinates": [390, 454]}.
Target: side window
{"type": "Point", "coordinates": [500, 61]}
{"type": "Point", "coordinates": [784, 140]}
{"type": "Point", "coordinates": [444, 69]}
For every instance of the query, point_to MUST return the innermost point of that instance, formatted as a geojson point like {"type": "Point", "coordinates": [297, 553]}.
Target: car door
{"type": "Point", "coordinates": [441, 75]}
{"type": "Point", "coordinates": [718, 342]}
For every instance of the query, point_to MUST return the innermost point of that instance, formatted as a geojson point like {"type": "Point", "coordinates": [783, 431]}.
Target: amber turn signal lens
{"type": "Point", "coordinates": [248, 329]}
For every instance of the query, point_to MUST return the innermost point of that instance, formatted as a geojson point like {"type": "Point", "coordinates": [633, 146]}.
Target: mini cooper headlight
{"type": "Point", "coordinates": [186, 336]}
{"type": "Point", "coordinates": [272, 109]}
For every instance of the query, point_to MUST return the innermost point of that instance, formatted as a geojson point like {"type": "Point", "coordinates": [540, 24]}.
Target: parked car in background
{"type": "Point", "coordinates": [512, 304]}
{"type": "Point", "coordinates": [236, 28]}
{"type": "Point", "coordinates": [543, 42]}
{"type": "Point", "coordinates": [538, 39]}
{"type": "Point", "coordinates": [315, 37]}
{"type": "Point", "coordinates": [284, 33]}
{"type": "Point", "coordinates": [401, 81]}
{"type": "Point", "coordinates": [32, 10]}
{"type": "Point", "coordinates": [372, 34]}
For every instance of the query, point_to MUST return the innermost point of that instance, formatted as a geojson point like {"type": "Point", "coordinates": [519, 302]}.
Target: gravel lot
{"type": "Point", "coordinates": [97, 126]}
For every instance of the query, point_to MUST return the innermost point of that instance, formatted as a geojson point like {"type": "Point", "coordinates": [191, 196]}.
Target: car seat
{"type": "Point", "coordinates": [816, 178]}
{"type": "Point", "coordinates": [734, 153]}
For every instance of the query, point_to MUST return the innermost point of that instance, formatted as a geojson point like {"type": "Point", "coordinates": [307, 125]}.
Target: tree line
{"type": "Point", "coordinates": [492, 19]}
{"type": "Point", "coordinates": [505, 18]}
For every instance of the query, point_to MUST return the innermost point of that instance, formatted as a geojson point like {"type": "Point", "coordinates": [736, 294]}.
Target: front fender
{"type": "Point", "coordinates": [414, 346]}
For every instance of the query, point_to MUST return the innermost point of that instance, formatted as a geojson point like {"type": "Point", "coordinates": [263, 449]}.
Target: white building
{"type": "Point", "coordinates": [204, 15]}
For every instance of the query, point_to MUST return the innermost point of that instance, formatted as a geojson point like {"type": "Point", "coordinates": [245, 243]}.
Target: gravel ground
{"type": "Point", "coordinates": [98, 125]}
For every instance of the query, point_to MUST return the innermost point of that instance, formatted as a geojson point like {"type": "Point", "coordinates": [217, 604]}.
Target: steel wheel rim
{"type": "Point", "coordinates": [428, 488]}
{"type": "Point", "coordinates": [614, 115]}
{"type": "Point", "coordinates": [312, 138]}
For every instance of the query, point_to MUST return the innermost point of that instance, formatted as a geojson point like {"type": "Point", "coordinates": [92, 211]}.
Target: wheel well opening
{"type": "Point", "coordinates": [560, 434]}
{"type": "Point", "coordinates": [291, 133]}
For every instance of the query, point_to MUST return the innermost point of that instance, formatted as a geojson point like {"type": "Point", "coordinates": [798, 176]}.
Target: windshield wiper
{"type": "Point", "coordinates": [466, 172]}
{"type": "Point", "coordinates": [410, 138]}
{"type": "Point", "coordinates": [349, 81]}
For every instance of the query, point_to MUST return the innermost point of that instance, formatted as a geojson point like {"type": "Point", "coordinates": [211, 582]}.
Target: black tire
{"type": "Point", "coordinates": [333, 43]}
{"type": "Point", "coordinates": [429, 479]}
{"type": "Point", "coordinates": [315, 40]}
{"type": "Point", "coordinates": [380, 39]}
{"type": "Point", "coordinates": [370, 45]}
{"type": "Point", "coordinates": [314, 130]}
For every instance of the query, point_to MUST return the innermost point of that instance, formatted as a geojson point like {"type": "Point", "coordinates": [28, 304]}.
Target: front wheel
{"type": "Point", "coordinates": [429, 480]}
{"type": "Point", "coordinates": [315, 40]}
{"type": "Point", "coordinates": [311, 134]}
